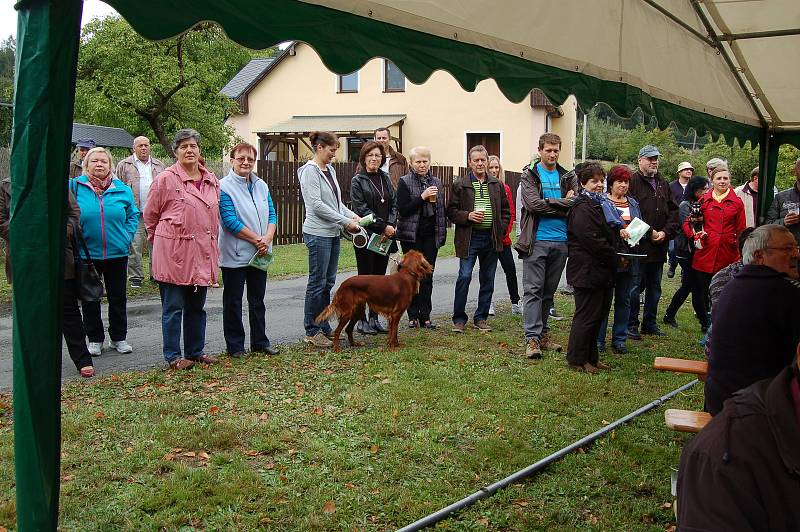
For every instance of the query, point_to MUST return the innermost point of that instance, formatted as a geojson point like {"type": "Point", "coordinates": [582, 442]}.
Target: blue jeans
{"type": "Point", "coordinates": [482, 249]}
{"type": "Point", "coordinates": [182, 308]}
{"type": "Point", "coordinates": [622, 308]}
{"type": "Point", "coordinates": [323, 261]}
{"type": "Point", "coordinates": [647, 280]}
{"type": "Point", "coordinates": [234, 280]}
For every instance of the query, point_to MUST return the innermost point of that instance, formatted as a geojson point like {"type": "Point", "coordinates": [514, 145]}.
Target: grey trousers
{"type": "Point", "coordinates": [541, 272]}
{"type": "Point", "coordinates": [138, 245]}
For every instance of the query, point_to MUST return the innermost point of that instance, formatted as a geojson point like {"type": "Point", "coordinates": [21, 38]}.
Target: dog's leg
{"type": "Point", "coordinates": [349, 330]}
{"type": "Point", "coordinates": [339, 326]}
{"type": "Point", "coordinates": [394, 324]}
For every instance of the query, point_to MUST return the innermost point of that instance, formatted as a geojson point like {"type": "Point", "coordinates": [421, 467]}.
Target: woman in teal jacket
{"type": "Point", "coordinates": [109, 219]}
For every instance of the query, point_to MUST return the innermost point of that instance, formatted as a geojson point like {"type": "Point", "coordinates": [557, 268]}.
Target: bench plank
{"type": "Point", "coordinates": [682, 365]}
{"type": "Point", "coordinates": [686, 420]}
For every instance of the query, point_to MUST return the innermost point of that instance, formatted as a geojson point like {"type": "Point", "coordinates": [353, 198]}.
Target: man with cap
{"type": "Point", "coordinates": [82, 146]}
{"type": "Point", "coordinates": [677, 187]}
{"type": "Point", "coordinates": [659, 211]}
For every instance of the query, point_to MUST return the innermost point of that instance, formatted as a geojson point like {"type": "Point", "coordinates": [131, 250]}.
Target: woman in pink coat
{"type": "Point", "coordinates": [182, 222]}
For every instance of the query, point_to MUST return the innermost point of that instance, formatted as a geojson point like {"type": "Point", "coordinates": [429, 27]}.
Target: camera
{"type": "Point", "coordinates": [696, 216]}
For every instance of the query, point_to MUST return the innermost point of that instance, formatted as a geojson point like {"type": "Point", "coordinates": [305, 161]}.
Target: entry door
{"type": "Point", "coordinates": [490, 141]}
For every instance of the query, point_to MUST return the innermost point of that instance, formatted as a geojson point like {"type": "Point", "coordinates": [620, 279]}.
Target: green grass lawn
{"type": "Point", "coordinates": [290, 260]}
{"type": "Point", "coordinates": [370, 439]}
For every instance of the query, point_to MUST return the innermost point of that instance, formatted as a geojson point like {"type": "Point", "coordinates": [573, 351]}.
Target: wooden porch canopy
{"type": "Point", "coordinates": [298, 128]}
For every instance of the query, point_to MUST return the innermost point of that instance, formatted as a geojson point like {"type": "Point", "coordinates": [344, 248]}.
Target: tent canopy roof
{"type": "Point", "coordinates": [661, 55]}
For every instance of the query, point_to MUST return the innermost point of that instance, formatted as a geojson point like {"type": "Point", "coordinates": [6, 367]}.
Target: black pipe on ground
{"type": "Point", "coordinates": [491, 489]}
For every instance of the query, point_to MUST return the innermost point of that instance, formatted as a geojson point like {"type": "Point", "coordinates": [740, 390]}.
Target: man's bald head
{"type": "Point", "coordinates": [141, 148]}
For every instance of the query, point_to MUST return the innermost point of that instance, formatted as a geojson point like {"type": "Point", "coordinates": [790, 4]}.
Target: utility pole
{"type": "Point", "coordinates": [585, 136]}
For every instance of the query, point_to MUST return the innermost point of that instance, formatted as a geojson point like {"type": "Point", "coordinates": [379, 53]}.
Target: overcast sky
{"type": "Point", "coordinates": [8, 16]}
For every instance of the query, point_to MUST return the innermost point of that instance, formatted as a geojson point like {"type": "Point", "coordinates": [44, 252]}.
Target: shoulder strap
{"type": "Point", "coordinates": [77, 234]}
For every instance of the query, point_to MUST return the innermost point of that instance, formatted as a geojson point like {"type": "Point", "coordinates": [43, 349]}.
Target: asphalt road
{"type": "Point", "coordinates": [284, 321]}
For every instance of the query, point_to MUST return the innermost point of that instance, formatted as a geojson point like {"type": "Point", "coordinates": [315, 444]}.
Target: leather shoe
{"type": "Point", "coordinates": [654, 332]}
{"type": "Point", "coordinates": [364, 328]}
{"type": "Point", "coordinates": [670, 321]}
{"type": "Point", "coordinates": [269, 350]}
{"type": "Point", "coordinates": [376, 326]}
{"type": "Point", "coordinates": [633, 334]}
{"type": "Point", "coordinates": [237, 354]}
{"type": "Point", "coordinates": [206, 359]}
{"type": "Point", "coordinates": [181, 363]}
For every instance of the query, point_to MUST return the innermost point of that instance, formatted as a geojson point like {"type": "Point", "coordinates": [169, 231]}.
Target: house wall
{"type": "Point", "coordinates": [439, 112]}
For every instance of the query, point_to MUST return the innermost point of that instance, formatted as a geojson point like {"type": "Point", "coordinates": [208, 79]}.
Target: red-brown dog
{"type": "Point", "coordinates": [389, 295]}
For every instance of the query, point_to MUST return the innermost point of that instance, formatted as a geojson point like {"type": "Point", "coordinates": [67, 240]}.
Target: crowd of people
{"type": "Point", "coordinates": [197, 225]}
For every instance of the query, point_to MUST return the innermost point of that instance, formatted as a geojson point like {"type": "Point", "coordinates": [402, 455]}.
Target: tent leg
{"type": "Point", "coordinates": [48, 34]}
{"type": "Point", "coordinates": [767, 167]}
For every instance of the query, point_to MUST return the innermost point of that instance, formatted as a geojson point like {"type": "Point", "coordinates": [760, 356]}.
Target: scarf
{"type": "Point", "coordinates": [612, 214]}
{"type": "Point", "coordinates": [720, 197]}
{"type": "Point", "coordinates": [597, 199]}
{"type": "Point", "coordinates": [101, 185]}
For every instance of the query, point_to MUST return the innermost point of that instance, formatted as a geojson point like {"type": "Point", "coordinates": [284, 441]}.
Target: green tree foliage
{"type": "Point", "coordinates": [154, 88]}
{"type": "Point", "coordinates": [7, 50]}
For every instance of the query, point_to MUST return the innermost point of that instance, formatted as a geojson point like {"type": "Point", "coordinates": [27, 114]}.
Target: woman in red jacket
{"type": "Point", "coordinates": [505, 257]}
{"type": "Point", "coordinates": [716, 231]}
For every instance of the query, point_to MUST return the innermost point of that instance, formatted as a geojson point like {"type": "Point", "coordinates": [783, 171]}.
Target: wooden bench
{"type": "Point", "coordinates": [686, 420]}
{"type": "Point", "coordinates": [681, 365]}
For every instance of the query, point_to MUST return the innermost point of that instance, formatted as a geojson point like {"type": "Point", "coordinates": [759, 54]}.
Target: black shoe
{"type": "Point", "coordinates": [413, 324]}
{"type": "Point", "coordinates": [670, 321]}
{"type": "Point", "coordinates": [364, 328]}
{"type": "Point", "coordinates": [633, 334]}
{"type": "Point", "coordinates": [375, 325]}
{"type": "Point", "coordinates": [671, 273]}
{"type": "Point", "coordinates": [601, 348]}
{"type": "Point", "coordinates": [268, 350]}
{"type": "Point", "coordinates": [619, 348]}
{"type": "Point", "coordinates": [429, 325]}
{"type": "Point", "coordinates": [704, 329]}
{"type": "Point", "coordinates": [238, 354]}
{"type": "Point", "coordinates": [654, 332]}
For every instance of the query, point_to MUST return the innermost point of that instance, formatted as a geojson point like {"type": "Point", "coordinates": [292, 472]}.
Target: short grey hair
{"type": "Point", "coordinates": [716, 163]}
{"type": "Point", "coordinates": [419, 151]}
{"type": "Point", "coordinates": [184, 134]}
{"type": "Point", "coordinates": [92, 151]}
{"type": "Point", "coordinates": [479, 148]}
{"type": "Point", "coordinates": [759, 240]}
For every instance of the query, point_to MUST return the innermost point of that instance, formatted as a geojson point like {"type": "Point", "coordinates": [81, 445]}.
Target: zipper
{"type": "Point", "coordinates": [103, 223]}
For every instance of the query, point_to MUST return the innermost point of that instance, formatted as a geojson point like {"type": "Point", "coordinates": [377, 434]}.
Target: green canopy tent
{"type": "Point", "coordinates": [714, 66]}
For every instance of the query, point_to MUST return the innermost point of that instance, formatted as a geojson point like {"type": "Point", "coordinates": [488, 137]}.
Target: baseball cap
{"type": "Point", "coordinates": [649, 151]}
{"type": "Point", "coordinates": [684, 165]}
{"type": "Point", "coordinates": [85, 143]}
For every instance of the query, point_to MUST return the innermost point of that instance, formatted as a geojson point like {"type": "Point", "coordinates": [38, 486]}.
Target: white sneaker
{"type": "Point", "coordinates": [95, 348]}
{"type": "Point", "coordinates": [515, 310]}
{"type": "Point", "coordinates": [491, 309]}
{"type": "Point", "coordinates": [122, 346]}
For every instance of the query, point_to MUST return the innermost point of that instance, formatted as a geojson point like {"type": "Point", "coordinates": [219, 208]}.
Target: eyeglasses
{"type": "Point", "coordinates": [785, 249]}
{"type": "Point", "coordinates": [243, 159]}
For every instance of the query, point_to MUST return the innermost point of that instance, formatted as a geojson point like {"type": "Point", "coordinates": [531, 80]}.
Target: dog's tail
{"type": "Point", "coordinates": [329, 311]}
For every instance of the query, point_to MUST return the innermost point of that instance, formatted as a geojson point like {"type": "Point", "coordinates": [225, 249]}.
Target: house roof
{"type": "Point", "coordinates": [246, 77]}
{"type": "Point", "coordinates": [252, 73]}
{"type": "Point", "coordinates": [333, 123]}
{"type": "Point", "coordinates": [113, 137]}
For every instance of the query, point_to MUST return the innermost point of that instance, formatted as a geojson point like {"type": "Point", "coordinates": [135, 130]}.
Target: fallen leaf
{"type": "Point", "coordinates": [252, 453]}
{"type": "Point", "coordinates": [269, 465]}
{"type": "Point", "coordinates": [503, 345]}
{"type": "Point", "coordinates": [169, 457]}
{"type": "Point", "coordinates": [329, 507]}
{"type": "Point", "coordinates": [581, 451]}
{"type": "Point", "coordinates": [99, 415]}
{"type": "Point", "coordinates": [301, 390]}
{"type": "Point", "coordinates": [501, 429]}
{"type": "Point", "coordinates": [187, 392]}
{"type": "Point", "coordinates": [394, 413]}
{"type": "Point", "coordinates": [385, 381]}
{"type": "Point", "coordinates": [203, 455]}
{"type": "Point", "coordinates": [213, 410]}
{"type": "Point", "coordinates": [176, 450]}
{"type": "Point", "coordinates": [128, 449]}
{"type": "Point", "coordinates": [284, 479]}
{"type": "Point", "coordinates": [318, 411]}
{"type": "Point", "coordinates": [521, 502]}
{"type": "Point", "coordinates": [374, 449]}
{"type": "Point", "coordinates": [282, 500]}
{"type": "Point", "coordinates": [349, 485]}
{"type": "Point", "coordinates": [263, 417]}
{"type": "Point", "coordinates": [482, 521]}
{"type": "Point", "coordinates": [292, 452]}
{"type": "Point", "coordinates": [666, 506]}
{"type": "Point", "coordinates": [189, 454]}
{"type": "Point", "coordinates": [328, 372]}
{"type": "Point", "coordinates": [302, 430]}
{"type": "Point", "coordinates": [603, 422]}
{"type": "Point", "coordinates": [67, 478]}
{"type": "Point", "coordinates": [115, 377]}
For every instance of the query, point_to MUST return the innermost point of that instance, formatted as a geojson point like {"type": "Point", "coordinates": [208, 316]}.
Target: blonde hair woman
{"type": "Point", "coordinates": [505, 257]}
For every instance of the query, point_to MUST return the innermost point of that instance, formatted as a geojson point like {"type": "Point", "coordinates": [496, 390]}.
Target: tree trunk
{"type": "Point", "coordinates": [158, 128]}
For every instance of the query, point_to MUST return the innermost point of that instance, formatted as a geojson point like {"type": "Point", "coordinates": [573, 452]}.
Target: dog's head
{"type": "Point", "coordinates": [414, 262]}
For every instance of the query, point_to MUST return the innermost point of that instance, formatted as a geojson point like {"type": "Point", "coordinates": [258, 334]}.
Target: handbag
{"type": "Point", "coordinates": [89, 287]}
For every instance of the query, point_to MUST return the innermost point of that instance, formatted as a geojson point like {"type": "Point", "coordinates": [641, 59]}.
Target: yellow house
{"type": "Point", "coordinates": [283, 99]}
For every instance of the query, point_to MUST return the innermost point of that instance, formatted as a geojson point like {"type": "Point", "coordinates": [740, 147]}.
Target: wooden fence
{"type": "Point", "coordinates": [281, 176]}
